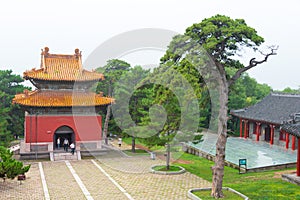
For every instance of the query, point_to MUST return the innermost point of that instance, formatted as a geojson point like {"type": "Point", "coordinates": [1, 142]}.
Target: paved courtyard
{"type": "Point", "coordinates": [112, 176]}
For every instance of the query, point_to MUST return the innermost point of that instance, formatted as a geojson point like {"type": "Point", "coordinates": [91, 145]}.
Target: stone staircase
{"type": "Point", "coordinates": [55, 156]}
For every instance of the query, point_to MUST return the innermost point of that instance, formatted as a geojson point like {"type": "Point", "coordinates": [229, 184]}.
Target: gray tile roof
{"type": "Point", "coordinates": [275, 108]}
{"type": "Point", "coordinates": [293, 129]}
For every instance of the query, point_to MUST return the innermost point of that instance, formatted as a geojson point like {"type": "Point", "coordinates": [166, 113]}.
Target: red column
{"type": "Point", "coordinates": [257, 131]}
{"type": "Point", "coordinates": [293, 142]}
{"type": "Point", "coordinates": [248, 128]}
{"type": "Point", "coordinates": [272, 134]}
{"type": "Point", "coordinates": [286, 140]}
{"type": "Point", "coordinates": [298, 158]}
{"type": "Point", "coordinates": [241, 128]}
{"type": "Point", "coordinates": [245, 128]}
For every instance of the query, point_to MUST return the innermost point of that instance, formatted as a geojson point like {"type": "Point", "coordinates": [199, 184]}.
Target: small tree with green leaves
{"type": "Point", "coordinates": [132, 101]}
{"type": "Point", "coordinates": [9, 167]}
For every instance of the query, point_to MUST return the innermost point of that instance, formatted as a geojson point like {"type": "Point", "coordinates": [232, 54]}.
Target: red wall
{"type": "Point", "coordinates": [86, 128]}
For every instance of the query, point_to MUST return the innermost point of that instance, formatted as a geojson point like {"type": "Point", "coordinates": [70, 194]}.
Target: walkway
{"type": "Point", "coordinates": [113, 176]}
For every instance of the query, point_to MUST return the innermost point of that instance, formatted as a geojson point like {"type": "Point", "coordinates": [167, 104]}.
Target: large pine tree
{"type": "Point", "coordinates": [213, 45]}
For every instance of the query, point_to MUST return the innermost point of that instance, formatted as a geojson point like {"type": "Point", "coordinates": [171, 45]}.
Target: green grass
{"type": "Point", "coordinates": [163, 168]}
{"type": "Point", "coordinates": [227, 195]}
{"type": "Point", "coordinates": [260, 185]}
{"type": "Point", "coordinates": [128, 141]}
{"type": "Point", "coordinates": [138, 152]}
{"type": "Point", "coordinates": [158, 148]}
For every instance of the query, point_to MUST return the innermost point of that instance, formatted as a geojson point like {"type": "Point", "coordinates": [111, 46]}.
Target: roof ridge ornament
{"type": "Point", "coordinates": [78, 56]}
{"type": "Point", "coordinates": [44, 53]}
{"type": "Point", "coordinates": [77, 52]}
{"type": "Point", "coordinates": [26, 92]}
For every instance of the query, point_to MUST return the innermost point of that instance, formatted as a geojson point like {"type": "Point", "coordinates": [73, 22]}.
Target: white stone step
{"type": "Point", "coordinates": [66, 156]}
{"type": "Point", "coordinates": [51, 156]}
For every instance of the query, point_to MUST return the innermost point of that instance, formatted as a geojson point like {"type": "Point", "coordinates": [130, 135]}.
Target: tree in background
{"type": "Point", "coordinates": [11, 116]}
{"type": "Point", "coordinates": [173, 70]}
{"type": "Point", "coordinates": [289, 90]}
{"type": "Point", "coordinates": [247, 92]}
{"type": "Point", "coordinates": [5, 135]}
{"type": "Point", "coordinates": [112, 71]}
{"type": "Point", "coordinates": [176, 100]}
{"type": "Point", "coordinates": [222, 38]}
{"type": "Point", "coordinates": [132, 101]}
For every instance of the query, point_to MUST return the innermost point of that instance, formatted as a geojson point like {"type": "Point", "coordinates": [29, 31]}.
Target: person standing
{"type": "Point", "coordinates": [58, 142]}
{"type": "Point", "coordinates": [66, 144]}
{"type": "Point", "coordinates": [72, 146]}
{"type": "Point", "coordinates": [120, 141]}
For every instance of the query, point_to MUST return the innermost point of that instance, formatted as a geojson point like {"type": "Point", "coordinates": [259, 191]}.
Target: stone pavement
{"type": "Point", "coordinates": [29, 189]}
{"type": "Point", "coordinates": [258, 154]}
{"type": "Point", "coordinates": [121, 177]}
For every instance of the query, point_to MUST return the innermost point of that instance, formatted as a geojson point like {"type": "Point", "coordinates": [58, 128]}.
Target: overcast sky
{"type": "Point", "coordinates": [63, 25]}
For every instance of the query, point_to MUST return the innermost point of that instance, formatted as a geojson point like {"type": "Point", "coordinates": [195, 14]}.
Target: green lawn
{"type": "Point", "coordinates": [138, 152]}
{"type": "Point", "coordinates": [163, 168]}
{"type": "Point", "coordinates": [227, 195]}
{"type": "Point", "coordinates": [260, 185]}
{"type": "Point", "coordinates": [128, 141]}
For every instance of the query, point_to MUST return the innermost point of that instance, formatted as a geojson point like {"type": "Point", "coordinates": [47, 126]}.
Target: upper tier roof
{"type": "Point", "coordinates": [58, 67]}
{"type": "Point", "coordinates": [275, 108]}
{"type": "Point", "coordinates": [61, 98]}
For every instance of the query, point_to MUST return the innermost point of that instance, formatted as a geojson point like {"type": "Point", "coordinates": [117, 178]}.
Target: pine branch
{"type": "Point", "coordinates": [253, 63]}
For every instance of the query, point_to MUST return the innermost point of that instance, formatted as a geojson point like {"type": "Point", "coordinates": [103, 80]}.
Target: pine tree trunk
{"type": "Point", "coordinates": [133, 144]}
{"type": "Point", "coordinates": [168, 157]}
{"type": "Point", "coordinates": [218, 169]}
{"type": "Point", "coordinates": [105, 130]}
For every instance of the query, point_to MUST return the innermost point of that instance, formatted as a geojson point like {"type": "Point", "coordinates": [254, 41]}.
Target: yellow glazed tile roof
{"type": "Point", "coordinates": [58, 67]}
{"type": "Point", "coordinates": [49, 98]}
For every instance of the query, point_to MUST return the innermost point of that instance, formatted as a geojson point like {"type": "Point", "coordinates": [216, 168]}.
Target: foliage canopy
{"type": "Point", "coordinates": [9, 167]}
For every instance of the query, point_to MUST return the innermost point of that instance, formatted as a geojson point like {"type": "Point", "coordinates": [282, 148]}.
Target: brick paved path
{"type": "Point", "coordinates": [60, 182]}
{"type": "Point", "coordinates": [97, 184]}
{"type": "Point", "coordinates": [29, 189]}
{"type": "Point", "coordinates": [130, 173]}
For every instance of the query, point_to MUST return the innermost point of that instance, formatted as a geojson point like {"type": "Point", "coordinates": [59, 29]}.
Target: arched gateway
{"type": "Point", "coordinates": [62, 133]}
{"type": "Point", "coordinates": [62, 105]}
